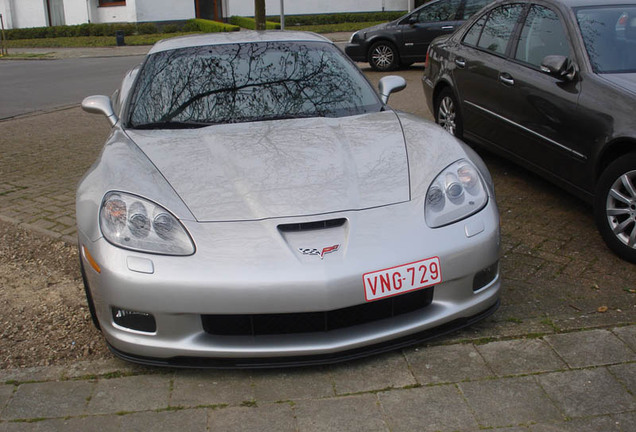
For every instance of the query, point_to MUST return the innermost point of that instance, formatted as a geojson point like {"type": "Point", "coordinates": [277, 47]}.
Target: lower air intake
{"type": "Point", "coordinates": [312, 322]}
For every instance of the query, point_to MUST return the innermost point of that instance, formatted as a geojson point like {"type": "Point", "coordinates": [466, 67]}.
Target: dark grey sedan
{"type": "Point", "coordinates": [550, 84]}
{"type": "Point", "coordinates": [404, 41]}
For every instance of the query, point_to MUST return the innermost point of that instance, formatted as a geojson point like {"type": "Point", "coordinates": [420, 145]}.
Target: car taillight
{"type": "Point", "coordinates": [426, 61]}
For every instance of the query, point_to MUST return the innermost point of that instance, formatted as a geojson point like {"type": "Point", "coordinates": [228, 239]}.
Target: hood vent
{"type": "Point", "coordinates": [311, 226]}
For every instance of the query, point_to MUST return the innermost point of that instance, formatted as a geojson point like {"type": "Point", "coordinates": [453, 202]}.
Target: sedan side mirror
{"type": "Point", "coordinates": [390, 84]}
{"type": "Point", "coordinates": [413, 20]}
{"type": "Point", "coordinates": [100, 105]}
{"type": "Point", "coordinates": [559, 66]}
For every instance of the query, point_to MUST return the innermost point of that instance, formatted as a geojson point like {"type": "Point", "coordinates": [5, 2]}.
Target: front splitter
{"type": "Point", "coordinates": [310, 360]}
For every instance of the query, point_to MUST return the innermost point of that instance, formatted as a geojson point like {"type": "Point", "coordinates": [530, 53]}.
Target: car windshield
{"type": "Point", "coordinates": [609, 33]}
{"type": "Point", "coordinates": [232, 83]}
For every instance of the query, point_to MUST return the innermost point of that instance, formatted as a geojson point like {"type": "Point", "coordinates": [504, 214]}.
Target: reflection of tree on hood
{"type": "Point", "coordinates": [245, 82]}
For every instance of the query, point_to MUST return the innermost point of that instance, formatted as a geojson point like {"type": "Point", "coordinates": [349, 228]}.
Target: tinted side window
{"type": "Point", "coordinates": [499, 27]}
{"type": "Point", "coordinates": [542, 35]}
{"type": "Point", "coordinates": [472, 36]}
{"type": "Point", "coordinates": [472, 6]}
{"type": "Point", "coordinates": [444, 10]}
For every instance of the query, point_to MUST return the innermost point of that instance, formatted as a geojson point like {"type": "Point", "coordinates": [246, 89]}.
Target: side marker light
{"type": "Point", "coordinates": [90, 260]}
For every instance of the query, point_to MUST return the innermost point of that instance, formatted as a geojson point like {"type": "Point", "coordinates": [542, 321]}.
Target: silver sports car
{"type": "Point", "coordinates": [258, 204]}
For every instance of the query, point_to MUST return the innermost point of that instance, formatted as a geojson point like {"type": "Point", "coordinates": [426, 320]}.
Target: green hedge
{"type": "Point", "coordinates": [250, 23]}
{"type": "Point", "coordinates": [194, 25]}
{"type": "Point", "coordinates": [80, 30]}
{"type": "Point", "coordinates": [306, 20]}
{"type": "Point", "coordinates": [208, 26]}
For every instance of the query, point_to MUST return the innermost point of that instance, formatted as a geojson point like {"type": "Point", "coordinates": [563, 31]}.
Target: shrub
{"type": "Point", "coordinates": [146, 28]}
{"type": "Point", "coordinates": [322, 19]}
{"type": "Point", "coordinates": [208, 26]}
{"type": "Point", "coordinates": [250, 23]}
{"type": "Point", "coordinates": [171, 28]}
{"type": "Point", "coordinates": [81, 30]}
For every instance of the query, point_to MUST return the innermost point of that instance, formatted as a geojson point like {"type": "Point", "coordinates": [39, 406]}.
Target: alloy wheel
{"type": "Point", "coordinates": [620, 208]}
{"type": "Point", "coordinates": [446, 114]}
{"type": "Point", "coordinates": [383, 56]}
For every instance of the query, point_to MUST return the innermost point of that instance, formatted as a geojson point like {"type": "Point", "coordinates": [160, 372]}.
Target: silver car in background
{"type": "Point", "coordinates": [258, 204]}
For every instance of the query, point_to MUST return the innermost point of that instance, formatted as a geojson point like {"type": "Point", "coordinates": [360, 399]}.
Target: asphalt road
{"type": "Point", "coordinates": [28, 86]}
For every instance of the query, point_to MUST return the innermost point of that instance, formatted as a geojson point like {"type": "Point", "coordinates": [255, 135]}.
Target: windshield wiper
{"type": "Point", "coordinates": [171, 125]}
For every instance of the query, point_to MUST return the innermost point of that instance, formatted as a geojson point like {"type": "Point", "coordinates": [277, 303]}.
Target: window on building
{"type": "Point", "coordinates": [112, 3]}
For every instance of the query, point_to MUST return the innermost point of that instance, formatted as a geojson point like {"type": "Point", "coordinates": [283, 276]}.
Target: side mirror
{"type": "Point", "coordinates": [100, 105]}
{"type": "Point", "coordinates": [559, 66]}
{"type": "Point", "coordinates": [412, 20]}
{"type": "Point", "coordinates": [390, 84]}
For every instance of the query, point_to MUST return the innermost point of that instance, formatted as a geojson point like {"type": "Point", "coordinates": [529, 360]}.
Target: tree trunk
{"type": "Point", "coordinates": [259, 14]}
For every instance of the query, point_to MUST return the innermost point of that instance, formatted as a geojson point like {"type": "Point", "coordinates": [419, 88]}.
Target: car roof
{"type": "Point", "coordinates": [243, 36]}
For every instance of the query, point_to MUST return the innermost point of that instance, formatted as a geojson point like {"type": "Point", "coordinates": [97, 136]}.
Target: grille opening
{"type": "Point", "coordinates": [134, 320]}
{"type": "Point", "coordinates": [312, 322]}
{"type": "Point", "coordinates": [485, 276]}
{"type": "Point", "coordinates": [310, 226]}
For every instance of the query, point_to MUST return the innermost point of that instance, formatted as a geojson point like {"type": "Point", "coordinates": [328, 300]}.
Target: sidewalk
{"type": "Point", "coordinates": [580, 381]}
{"type": "Point", "coordinates": [115, 51]}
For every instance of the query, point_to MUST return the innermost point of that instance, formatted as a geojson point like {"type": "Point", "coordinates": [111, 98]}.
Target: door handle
{"type": "Point", "coordinates": [506, 79]}
{"type": "Point", "coordinates": [448, 27]}
{"type": "Point", "coordinates": [460, 62]}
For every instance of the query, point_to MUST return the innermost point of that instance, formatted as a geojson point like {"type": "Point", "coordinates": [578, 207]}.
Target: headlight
{"type": "Point", "coordinates": [456, 193]}
{"type": "Point", "coordinates": [138, 224]}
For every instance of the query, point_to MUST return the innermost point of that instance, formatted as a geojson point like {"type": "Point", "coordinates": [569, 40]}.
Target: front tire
{"type": "Point", "coordinates": [615, 206]}
{"type": "Point", "coordinates": [383, 56]}
{"type": "Point", "coordinates": [447, 113]}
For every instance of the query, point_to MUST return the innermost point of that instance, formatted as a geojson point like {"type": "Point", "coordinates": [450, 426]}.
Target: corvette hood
{"type": "Point", "coordinates": [250, 171]}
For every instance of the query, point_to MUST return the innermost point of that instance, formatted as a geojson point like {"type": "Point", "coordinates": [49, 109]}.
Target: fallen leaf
{"type": "Point", "coordinates": [602, 309]}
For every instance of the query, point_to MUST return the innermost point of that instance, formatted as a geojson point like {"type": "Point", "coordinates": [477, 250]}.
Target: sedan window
{"type": "Point", "coordinates": [444, 10]}
{"type": "Point", "coordinates": [492, 32]}
{"type": "Point", "coordinates": [542, 35]}
{"type": "Point", "coordinates": [472, 7]}
{"type": "Point", "coordinates": [499, 27]}
{"type": "Point", "coordinates": [609, 34]}
{"type": "Point", "coordinates": [472, 35]}
{"type": "Point", "coordinates": [199, 86]}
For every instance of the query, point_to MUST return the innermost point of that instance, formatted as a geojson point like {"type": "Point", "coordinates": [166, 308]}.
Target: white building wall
{"type": "Point", "coordinates": [23, 13]}
{"type": "Point", "coordinates": [165, 10]}
{"type": "Point", "coordinates": [76, 11]}
{"type": "Point", "coordinates": [5, 11]}
{"type": "Point", "coordinates": [32, 13]}
{"type": "Point", "coordinates": [113, 14]}
{"type": "Point", "coordinates": [302, 7]}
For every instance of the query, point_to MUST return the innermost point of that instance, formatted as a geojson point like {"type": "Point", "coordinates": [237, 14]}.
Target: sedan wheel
{"type": "Point", "coordinates": [447, 113]}
{"type": "Point", "coordinates": [615, 207]}
{"type": "Point", "coordinates": [383, 56]}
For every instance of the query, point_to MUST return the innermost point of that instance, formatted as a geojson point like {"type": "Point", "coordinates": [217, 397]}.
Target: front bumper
{"type": "Point", "coordinates": [263, 273]}
{"type": "Point", "coordinates": [356, 52]}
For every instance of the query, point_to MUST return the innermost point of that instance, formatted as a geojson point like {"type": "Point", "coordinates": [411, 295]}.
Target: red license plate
{"type": "Point", "coordinates": [403, 278]}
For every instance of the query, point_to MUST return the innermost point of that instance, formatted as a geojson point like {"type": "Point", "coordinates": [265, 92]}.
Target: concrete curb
{"type": "Point", "coordinates": [583, 381]}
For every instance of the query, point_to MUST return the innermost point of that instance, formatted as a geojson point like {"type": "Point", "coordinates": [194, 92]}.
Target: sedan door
{"type": "Point", "coordinates": [546, 118]}
{"type": "Point", "coordinates": [479, 58]}
{"type": "Point", "coordinates": [509, 102]}
{"type": "Point", "coordinates": [432, 20]}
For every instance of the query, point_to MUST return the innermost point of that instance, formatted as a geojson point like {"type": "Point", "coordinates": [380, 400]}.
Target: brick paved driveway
{"type": "Point", "coordinates": [556, 269]}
